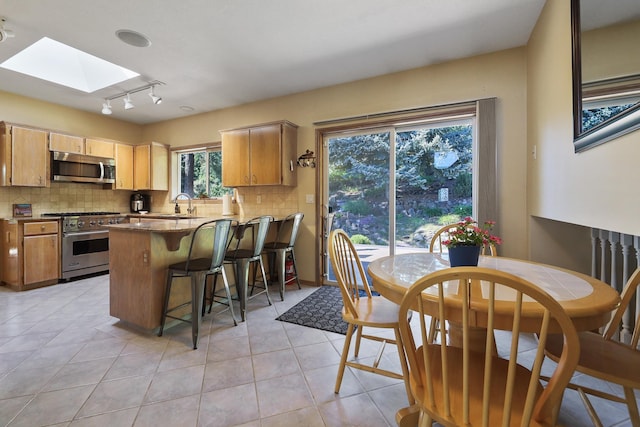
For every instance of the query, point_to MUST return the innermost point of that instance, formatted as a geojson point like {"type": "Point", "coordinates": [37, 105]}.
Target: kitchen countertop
{"type": "Point", "coordinates": [173, 230]}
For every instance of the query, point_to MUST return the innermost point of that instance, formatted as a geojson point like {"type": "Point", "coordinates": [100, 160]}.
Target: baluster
{"type": "Point", "coordinates": [603, 255]}
{"type": "Point", "coordinates": [626, 241]}
{"type": "Point", "coordinates": [594, 252]}
{"type": "Point", "coordinates": [614, 239]}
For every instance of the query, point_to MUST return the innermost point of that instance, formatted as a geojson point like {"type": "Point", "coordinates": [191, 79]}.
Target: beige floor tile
{"type": "Point", "coordinates": [228, 407]}
{"type": "Point", "coordinates": [178, 412]}
{"type": "Point", "coordinates": [322, 383]}
{"type": "Point", "coordinates": [353, 411]}
{"type": "Point", "coordinates": [79, 374]}
{"type": "Point", "coordinates": [275, 364]}
{"type": "Point", "coordinates": [175, 384]}
{"type": "Point", "coordinates": [283, 394]}
{"type": "Point", "coordinates": [115, 395]}
{"type": "Point", "coordinates": [308, 417]}
{"type": "Point", "coordinates": [9, 408]}
{"type": "Point", "coordinates": [52, 407]}
{"type": "Point", "coordinates": [317, 355]}
{"type": "Point", "coordinates": [123, 418]}
{"type": "Point", "coordinates": [228, 373]}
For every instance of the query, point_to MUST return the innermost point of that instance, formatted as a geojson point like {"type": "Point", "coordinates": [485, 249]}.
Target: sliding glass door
{"type": "Point", "coordinates": [391, 188]}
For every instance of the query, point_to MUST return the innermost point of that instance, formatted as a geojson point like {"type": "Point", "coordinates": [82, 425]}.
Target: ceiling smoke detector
{"type": "Point", "coordinates": [4, 33]}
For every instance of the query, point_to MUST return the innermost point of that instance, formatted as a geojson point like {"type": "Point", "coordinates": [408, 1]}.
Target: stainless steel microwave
{"type": "Point", "coordinates": [71, 167]}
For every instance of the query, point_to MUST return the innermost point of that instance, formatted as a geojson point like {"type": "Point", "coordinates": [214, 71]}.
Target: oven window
{"type": "Point", "coordinates": [84, 247]}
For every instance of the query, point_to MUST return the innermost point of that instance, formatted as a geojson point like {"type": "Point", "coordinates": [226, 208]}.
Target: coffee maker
{"type": "Point", "coordinates": [140, 203]}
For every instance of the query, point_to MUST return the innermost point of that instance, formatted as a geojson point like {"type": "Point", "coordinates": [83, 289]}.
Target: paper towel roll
{"type": "Point", "coordinates": [226, 205]}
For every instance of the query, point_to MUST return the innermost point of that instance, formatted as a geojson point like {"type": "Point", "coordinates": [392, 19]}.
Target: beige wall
{"type": "Point", "coordinates": [501, 75]}
{"type": "Point", "coordinates": [590, 189]}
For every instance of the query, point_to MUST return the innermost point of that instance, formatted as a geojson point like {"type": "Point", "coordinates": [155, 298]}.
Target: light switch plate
{"type": "Point", "coordinates": [310, 198]}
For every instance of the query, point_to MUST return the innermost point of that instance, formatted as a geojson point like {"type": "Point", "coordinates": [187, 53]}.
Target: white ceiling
{"type": "Point", "coordinates": [214, 54]}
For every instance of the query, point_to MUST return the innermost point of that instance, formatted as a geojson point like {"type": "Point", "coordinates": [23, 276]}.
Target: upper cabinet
{"type": "Point", "coordinates": [24, 155]}
{"type": "Point", "coordinates": [80, 145]}
{"type": "Point", "coordinates": [66, 143]}
{"type": "Point", "coordinates": [259, 155]}
{"type": "Point", "coordinates": [151, 167]}
{"type": "Point", "coordinates": [99, 148]}
{"type": "Point", "coordinates": [124, 167]}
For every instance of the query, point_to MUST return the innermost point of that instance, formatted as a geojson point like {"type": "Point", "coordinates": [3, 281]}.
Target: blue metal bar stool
{"type": "Point", "coordinates": [211, 235]}
{"type": "Point", "coordinates": [242, 258]}
{"type": "Point", "coordinates": [281, 250]}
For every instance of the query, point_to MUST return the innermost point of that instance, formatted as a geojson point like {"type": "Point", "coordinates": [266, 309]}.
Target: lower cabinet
{"type": "Point", "coordinates": [30, 253]}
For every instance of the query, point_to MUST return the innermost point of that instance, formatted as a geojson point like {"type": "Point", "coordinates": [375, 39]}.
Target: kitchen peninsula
{"type": "Point", "coordinates": [139, 254]}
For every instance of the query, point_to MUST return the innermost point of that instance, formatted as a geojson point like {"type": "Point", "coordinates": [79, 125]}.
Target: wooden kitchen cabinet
{"type": "Point", "coordinates": [66, 143]}
{"type": "Point", "coordinates": [99, 148]}
{"type": "Point", "coordinates": [151, 167]}
{"type": "Point", "coordinates": [259, 155]}
{"type": "Point", "coordinates": [30, 253]}
{"type": "Point", "coordinates": [79, 145]}
{"type": "Point", "coordinates": [124, 167]}
{"type": "Point", "coordinates": [24, 156]}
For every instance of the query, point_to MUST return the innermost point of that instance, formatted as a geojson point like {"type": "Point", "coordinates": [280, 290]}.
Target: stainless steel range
{"type": "Point", "coordinates": [85, 241]}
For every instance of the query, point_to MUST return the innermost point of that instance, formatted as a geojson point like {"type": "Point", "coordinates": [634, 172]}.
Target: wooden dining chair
{"type": "Point", "coordinates": [604, 357]}
{"type": "Point", "coordinates": [363, 311]}
{"type": "Point", "coordinates": [436, 246]}
{"type": "Point", "coordinates": [462, 385]}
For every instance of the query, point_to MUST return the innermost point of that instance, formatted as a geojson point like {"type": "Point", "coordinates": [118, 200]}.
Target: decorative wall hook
{"type": "Point", "coordinates": [308, 159]}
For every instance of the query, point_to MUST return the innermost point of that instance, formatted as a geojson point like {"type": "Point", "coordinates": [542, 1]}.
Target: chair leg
{"type": "Point", "coordinates": [242, 277]}
{"type": "Point", "coordinates": [281, 257]}
{"type": "Point", "coordinates": [197, 296]}
{"type": "Point", "coordinates": [228, 292]}
{"type": "Point", "coordinates": [167, 293]}
{"type": "Point", "coordinates": [403, 364]}
{"type": "Point", "coordinates": [433, 329]}
{"type": "Point", "coordinates": [633, 406]}
{"type": "Point", "coordinates": [295, 268]}
{"type": "Point", "coordinates": [343, 357]}
{"type": "Point", "coordinates": [264, 278]}
{"type": "Point", "coordinates": [358, 339]}
{"type": "Point", "coordinates": [213, 290]}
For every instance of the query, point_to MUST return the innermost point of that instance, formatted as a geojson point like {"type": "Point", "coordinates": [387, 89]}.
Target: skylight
{"type": "Point", "coordinates": [56, 62]}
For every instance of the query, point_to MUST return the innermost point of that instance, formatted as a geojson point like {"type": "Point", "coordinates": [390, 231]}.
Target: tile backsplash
{"type": "Point", "coordinates": [71, 197]}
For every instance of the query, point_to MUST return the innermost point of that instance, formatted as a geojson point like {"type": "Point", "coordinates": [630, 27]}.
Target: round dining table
{"type": "Point", "coordinates": [588, 301]}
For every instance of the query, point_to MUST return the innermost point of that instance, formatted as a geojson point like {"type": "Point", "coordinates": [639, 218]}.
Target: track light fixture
{"type": "Point", "coordinates": [154, 98]}
{"type": "Point", "coordinates": [128, 104]}
{"type": "Point", "coordinates": [106, 107]}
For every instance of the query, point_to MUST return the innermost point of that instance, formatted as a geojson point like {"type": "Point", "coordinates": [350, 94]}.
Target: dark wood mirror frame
{"type": "Point", "coordinates": [621, 124]}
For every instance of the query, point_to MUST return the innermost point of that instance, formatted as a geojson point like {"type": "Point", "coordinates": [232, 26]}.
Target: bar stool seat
{"type": "Point", "coordinates": [197, 268]}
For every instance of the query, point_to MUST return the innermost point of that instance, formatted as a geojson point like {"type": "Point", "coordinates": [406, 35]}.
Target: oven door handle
{"type": "Point", "coordinates": [101, 171]}
{"type": "Point", "coordinates": [86, 233]}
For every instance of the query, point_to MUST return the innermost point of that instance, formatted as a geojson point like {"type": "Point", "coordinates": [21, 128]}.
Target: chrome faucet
{"type": "Point", "coordinates": [190, 210]}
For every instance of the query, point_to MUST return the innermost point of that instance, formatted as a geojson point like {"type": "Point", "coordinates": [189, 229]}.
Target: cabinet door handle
{"type": "Point", "coordinates": [254, 179]}
{"type": "Point", "coordinates": [42, 227]}
{"type": "Point", "coordinates": [8, 237]}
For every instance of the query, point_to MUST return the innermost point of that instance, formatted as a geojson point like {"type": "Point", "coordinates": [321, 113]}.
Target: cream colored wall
{"type": "Point", "coordinates": [590, 189]}
{"type": "Point", "coordinates": [501, 75]}
{"type": "Point", "coordinates": [27, 111]}
{"type": "Point", "coordinates": [610, 52]}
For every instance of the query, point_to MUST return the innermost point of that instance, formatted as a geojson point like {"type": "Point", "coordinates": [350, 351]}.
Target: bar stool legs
{"type": "Point", "coordinates": [197, 294]}
{"type": "Point", "coordinates": [229, 300]}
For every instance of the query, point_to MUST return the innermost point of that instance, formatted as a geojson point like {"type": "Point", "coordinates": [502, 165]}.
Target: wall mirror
{"type": "Point", "coordinates": [606, 70]}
